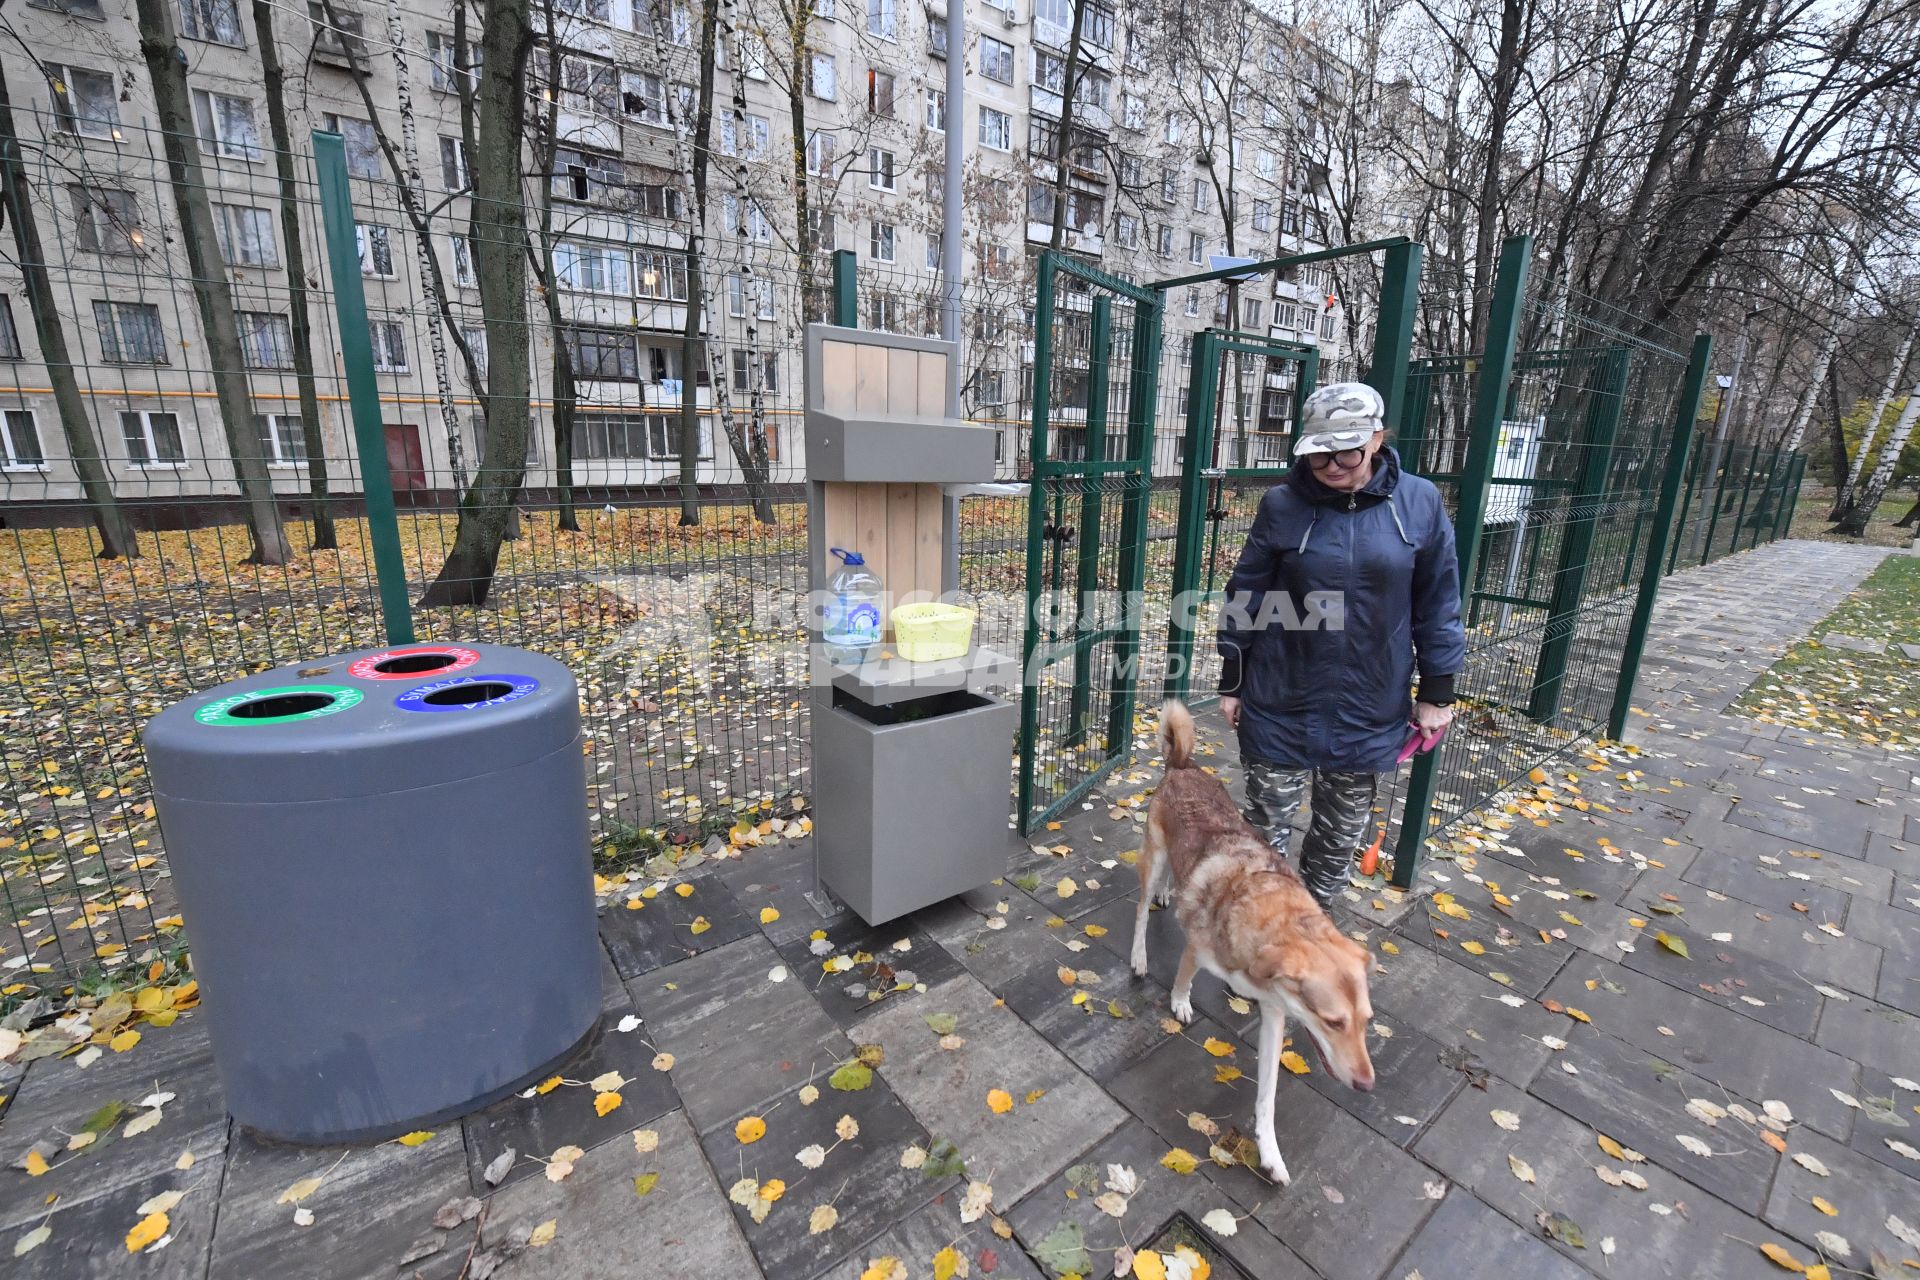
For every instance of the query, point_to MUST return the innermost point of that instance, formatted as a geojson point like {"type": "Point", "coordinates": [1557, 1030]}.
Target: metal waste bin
{"type": "Point", "coordinates": [384, 866]}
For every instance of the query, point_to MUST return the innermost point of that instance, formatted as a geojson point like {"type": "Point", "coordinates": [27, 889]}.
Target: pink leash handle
{"type": "Point", "coordinates": [1419, 744]}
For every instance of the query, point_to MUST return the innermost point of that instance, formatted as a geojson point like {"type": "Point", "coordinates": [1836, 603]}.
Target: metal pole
{"type": "Point", "coordinates": [1691, 393]}
{"type": "Point", "coordinates": [1190, 527]}
{"type": "Point", "coordinates": [1036, 526]}
{"type": "Point", "coordinates": [1393, 331]}
{"type": "Point", "coordinates": [363, 389]}
{"type": "Point", "coordinates": [951, 248]}
{"type": "Point", "coordinates": [1722, 421]}
{"type": "Point", "coordinates": [846, 289]}
{"type": "Point", "coordinates": [1087, 586]}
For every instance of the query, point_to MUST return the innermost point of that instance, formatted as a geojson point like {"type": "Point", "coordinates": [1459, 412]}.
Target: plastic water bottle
{"type": "Point", "coordinates": [853, 610]}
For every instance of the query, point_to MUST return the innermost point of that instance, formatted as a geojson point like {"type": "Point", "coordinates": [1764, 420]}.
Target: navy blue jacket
{"type": "Point", "coordinates": [1381, 565]}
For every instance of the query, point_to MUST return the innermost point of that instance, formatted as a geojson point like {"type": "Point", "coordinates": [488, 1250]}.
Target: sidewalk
{"type": "Point", "coordinates": [1566, 1096]}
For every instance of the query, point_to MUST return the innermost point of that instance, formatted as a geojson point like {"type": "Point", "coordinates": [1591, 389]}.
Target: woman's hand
{"type": "Point", "coordinates": [1427, 717]}
{"type": "Point", "coordinates": [1230, 708]}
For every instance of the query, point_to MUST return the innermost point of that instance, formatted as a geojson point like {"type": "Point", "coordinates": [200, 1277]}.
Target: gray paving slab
{"type": "Point", "coordinates": [1462, 1011]}
{"type": "Point", "coordinates": [1873, 1034]}
{"type": "Point", "coordinates": [1889, 1114]}
{"type": "Point", "coordinates": [1853, 644]}
{"type": "Point", "coordinates": [891, 964]}
{"type": "Point", "coordinates": [1491, 943]}
{"type": "Point", "coordinates": [662, 929]}
{"type": "Point", "coordinates": [779, 877]}
{"type": "Point", "coordinates": [88, 1239]}
{"type": "Point", "coordinates": [682, 1227]}
{"type": "Point", "coordinates": [1107, 1031]}
{"type": "Point", "coordinates": [1726, 976]}
{"type": "Point", "coordinates": [1467, 1237]}
{"type": "Point", "coordinates": [946, 1089]}
{"type": "Point", "coordinates": [372, 1206]}
{"type": "Point", "coordinates": [738, 1034]}
{"type": "Point", "coordinates": [1787, 937]}
{"type": "Point", "coordinates": [1777, 888]}
{"type": "Point", "coordinates": [919, 1237]}
{"type": "Point", "coordinates": [1897, 856]}
{"type": "Point", "coordinates": [1865, 1192]}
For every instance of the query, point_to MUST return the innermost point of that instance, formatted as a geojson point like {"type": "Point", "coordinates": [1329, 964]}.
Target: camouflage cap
{"type": "Point", "coordinates": [1340, 415]}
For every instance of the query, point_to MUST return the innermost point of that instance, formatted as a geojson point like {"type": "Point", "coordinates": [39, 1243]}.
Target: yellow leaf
{"type": "Point", "coordinates": [146, 1231]}
{"type": "Point", "coordinates": [1294, 1063]}
{"type": "Point", "coordinates": [36, 1164]}
{"type": "Point", "coordinates": [1218, 1048]}
{"type": "Point", "coordinates": [1473, 948]}
{"type": "Point", "coordinates": [1067, 976]}
{"type": "Point", "coordinates": [543, 1234]}
{"type": "Point", "coordinates": [1095, 931]}
{"type": "Point", "coordinates": [1569, 917]}
{"type": "Point", "coordinates": [1226, 1073]}
{"type": "Point", "coordinates": [124, 1041]}
{"type": "Point", "coordinates": [1578, 1016]}
{"type": "Point", "coordinates": [1034, 1095]}
{"type": "Point", "coordinates": [1818, 1271]}
{"type": "Point", "coordinates": [1537, 777]}
{"type": "Point", "coordinates": [300, 1190]}
{"type": "Point", "coordinates": [1180, 1160]}
{"type": "Point", "coordinates": [1825, 1207]}
{"type": "Point", "coordinates": [605, 1102]}
{"type": "Point", "coordinates": [699, 925]}
{"type": "Point", "coordinates": [947, 1264]}
{"type": "Point", "coordinates": [415, 1138]}
{"type": "Point", "coordinates": [1612, 1148]}
{"type": "Point", "coordinates": [1387, 947]}
{"type": "Point", "coordinates": [1079, 997]}
{"type": "Point", "coordinates": [548, 1085]}
{"type": "Point", "coordinates": [1779, 1257]}
{"type": "Point", "coordinates": [769, 914]}
{"type": "Point", "coordinates": [822, 1219]}
{"type": "Point", "coordinates": [887, 1268]}
{"type": "Point", "coordinates": [999, 1101]}
{"type": "Point", "coordinates": [684, 890]}
{"type": "Point", "coordinates": [750, 1129]}
{"type": "Point", "coordinates": [772, 1189]}
{"type": "Point", "coordinates": [1198, 1268]}
{"type": "Point", "coordinates": [1148, 1265]}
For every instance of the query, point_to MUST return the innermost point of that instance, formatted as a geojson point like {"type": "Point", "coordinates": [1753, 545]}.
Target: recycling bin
{"type": "Point", "coordinates": [384, 867]}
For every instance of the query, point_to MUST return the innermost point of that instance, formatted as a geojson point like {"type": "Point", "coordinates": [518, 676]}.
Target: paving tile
{"type": "Point", "coordinates": [1462, 1011]}
{"type": "Point", "coordinates": [1601, 925]}
{"type": "Point", "coordinates": [1785, 937]}
{"type": "Point", "coordinates": [1746, 1057]}
{"type": "Point", "coordinates": [900, 957]}
{"type": "Point", "coordinates": [1119, 1020]}
{"type": "Point", "coordinates": [1887, 1114]}
{"type": "Point", "coordinates": [682, 1227]}
{"type": "Point", "coordinates": [1639, 1099]}
{"type": "Point", "coordinates": [1727, 976]}
{"type": "Point", "coordinates": [918, 1237]}
{"type": "Point", "coordinates": [1897, 856]}
{"type": "Point", "coordinates": [1865, 1192]}
{"type": "Point", "coordinates": [1705, 1240]}
{"type": "Point", "coordinates": [1543, 852]}
{"type": "Point", "coordinates": [1094, 884]}
{"type": "Point", "coordinates": [1161, 1194]}
{"type": "Point", "coordinates": [1764, 886]}
{"type": "Point", "coordinates": [861, 1177]}
{"type": "Point", "coordinates": [661, 931]}
{"type": "Point", "coordinates": [88, 1240]}
{"type": "Point", "coordinates": [738, 1037]}
{"type": "Point", "coordinates": [997, 954]}
{"type": "Point", "coordinates": [1380, 1187]}
{"type": "Point", "coordinates": [373, 1204]}
{"type": "Point", "coordinates": [537, 1125]}
{"type": "Point", "coordinates": [1165, 945]}
{"type": "Point", "coordinates": [57, 1097]}
{"type": "Point", "coordinates": [947, 1089]}
{"type": "Point", "coordinates": [1466, 1238]}
{"type": "Point", "coordinates": [1800, 829]}
{"type": "Point", "coordinates": [1506, 947]}
{"type": "Point", "coordinates": [1873, 1034]}
{"type": "Point", "coordinates": [780, 877]}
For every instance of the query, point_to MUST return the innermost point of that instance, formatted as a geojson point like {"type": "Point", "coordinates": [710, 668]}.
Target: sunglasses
{"type": "Point", "coordinates": [1345, 457]}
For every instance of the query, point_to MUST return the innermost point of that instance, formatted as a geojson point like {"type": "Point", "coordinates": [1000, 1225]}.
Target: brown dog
{"type": "Point", "coordinates": [1249, 921]}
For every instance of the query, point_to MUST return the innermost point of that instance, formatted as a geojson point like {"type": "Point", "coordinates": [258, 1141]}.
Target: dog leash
{"type": "Point", "coordinates": [1418, 743]}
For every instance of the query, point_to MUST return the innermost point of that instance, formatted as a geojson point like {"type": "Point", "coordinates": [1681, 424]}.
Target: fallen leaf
{"type": "Point", "coordinates": [542, 1235]}
{"type": "Point", "coordinates": [750, 1129]}
{"type": "Point", "coordinates": [1824, 1206]}
{"type": "Point", "coordinates": [999, 1101]}
{"type": "Point", "coordinates": [415, 1138]}
{"type": "Point", "coordinates": [146, 1231]}
{"type": "Point", "coordinates": [822, 1219]}
{"type": "Point", "coordinates": [1294, 1062]}
{"type": "Point", "coordinates": [851, 1077]}
{"type": "Point", "coordinates": [1676, 945]}
{"type": "Point", "coordinates": [1221, 1222]}
{"type": "Point", "coordinates": [1506, 1120]}
{"type": "Point", "coordinates": [1148, 1265]}
{"type": "Point", "coordinates": [812, 1156]}
{"type": "Point", "coordinates": [645, 1183]}
{"type": "Point", "coordinates": [605, 1102]}
{"type": "Point", "coordinates": [949, 1264]}
{"type": "Point", "coordinates": [162, 1203]}
{"type": "Point", "coordinates": [646, 1141]}
{"type": "Point", "coordinates": [1521, 1169]}
{"type": "Point", "coordinates": [1111, 1203]}
{"type": "Point", "coordinates": [1811, 1164]}
{"type": "Point", "coordinates": [1781, 1258]}
{"type": "Point", "coordinates": [663, 1062]}
{"type": "Point", "coordinates": [32, 1240]}
{"type": "Point", "coordinates": [769, 914]}
{"type": "Point", "coordinates": [497, 1167]}
{"type": "Point", "coordinates": [1180, 1160]}
{"type": "Point", "coordinates": [1218, 1048]}
{"type": "Point", "coordinates": [300, 1190]}
{"type": "Point", "coordinates": [1694, 1145]}
{"type": "Point", "coordinates": [124, 1041]}
{"type": "Point", "coordinates": [772, 1189]}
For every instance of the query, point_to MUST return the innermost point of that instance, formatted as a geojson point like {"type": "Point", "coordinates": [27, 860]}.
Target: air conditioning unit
{"type": "Point", "coordinates": [1012, 15]}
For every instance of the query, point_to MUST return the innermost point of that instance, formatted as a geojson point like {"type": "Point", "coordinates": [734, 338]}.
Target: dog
{"type": "Point", "coordinates": [1250, 921]}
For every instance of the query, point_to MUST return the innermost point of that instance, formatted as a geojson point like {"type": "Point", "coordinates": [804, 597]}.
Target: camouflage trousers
{"type": "Point", "coordinates": [1338, 829]}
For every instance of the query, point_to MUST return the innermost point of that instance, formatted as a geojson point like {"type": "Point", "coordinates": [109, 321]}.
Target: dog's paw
{"type": "Point", "coordinates": [1163, 898]}
{"type": "Point", "coordinates": [1140, 962]}
{"type": "Point", "coordinates": [1183, 1009]}
{"type": "Point", "coordinates": [1276, 1168]}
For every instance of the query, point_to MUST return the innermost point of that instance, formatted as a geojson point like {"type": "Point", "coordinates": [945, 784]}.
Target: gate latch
{"type": "Point", "coordinates": [1213, 473]}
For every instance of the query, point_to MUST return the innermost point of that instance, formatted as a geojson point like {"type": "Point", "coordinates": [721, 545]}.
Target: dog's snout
{"type": "Point", "coordinates": [1364, 1083]}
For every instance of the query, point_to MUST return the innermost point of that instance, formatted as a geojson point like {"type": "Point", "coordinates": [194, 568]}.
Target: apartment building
{"type": "Point", "coordinates": [1161, 179]}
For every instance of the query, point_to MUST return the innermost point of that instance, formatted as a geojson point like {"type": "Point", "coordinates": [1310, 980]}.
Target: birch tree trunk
{"type": "Point", "coordinates": [83, 446]}
{"type": "Point", "coordinates": [213, 292]}
{"type": "Point", "coordinates": [1803, 411]}
{"type": "Point", "coordinates": [273, 79]}
{"type": "Point", "coordinates": [1844, 498]}
{"type": "Point", "coordinates": [1854, 522]}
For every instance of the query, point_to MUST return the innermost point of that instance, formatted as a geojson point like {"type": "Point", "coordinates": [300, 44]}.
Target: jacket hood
{"type": "Point", "coordinates": [1386, 478]}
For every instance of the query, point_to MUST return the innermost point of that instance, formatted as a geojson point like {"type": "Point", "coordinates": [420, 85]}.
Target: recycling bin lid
{"type": "Point", "coordinates": [368, 722]}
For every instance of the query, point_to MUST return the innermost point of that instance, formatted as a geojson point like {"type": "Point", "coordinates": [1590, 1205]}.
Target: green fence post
{"type": "Point", "coordinates": [1142, 403]}
{"type": "Point", "coordinates": [1190, 527]}
{"type": "Point", "coordinates": [1677, 472]}
{"type": "Point", "coordinates": [1393, 331]}
{"type": "Point", "coordinates": [363, 389]}
{"type": "Point", "coordinates": [1790, 495]}
{"type": "Point", "coordinates": [1490, 392]}
{"type": "Point", "coordinates": [1036, 529]}
{"type": "Point", "coordinates": [1584, 504]}
{"type": "Point", "coordinates": [1746, 498]}
{"type": "Point", "coordinates": [1763, 517]}
{"type": "Point", "coordinates": [1678, 539]}
{"type": "Point", "coordinates": [846, 289]}
{"type": "Point", "coordinates": [1088, 582]}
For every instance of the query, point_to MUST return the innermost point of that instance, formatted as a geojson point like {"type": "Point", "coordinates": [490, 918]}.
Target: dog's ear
{"type": "Point", "coordinates": [1280, 959]}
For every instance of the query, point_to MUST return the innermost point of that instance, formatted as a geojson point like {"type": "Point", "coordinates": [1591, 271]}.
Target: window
{"type": "Point", "coordinates": [603, 355]}
{"type": "Point", "coordinates": [1133, 111]}
{"type": "Point", "coordinates": [463, 264]}
{"type": "Point", "coordinates": [623, 437]}
{"type": "Point", "coordinates": [374, 243]}
{"type": "Point", "coordinates": [883, 312]}
{"type": "Point", "coordinates": [996, 129]}
{"type": "Point", "coordinates": [1196, 247]}
{"type": "Point", "coordinates": [1263, 164]}
{"type": "Point", "coordinates": [1263, 215]}
{"type": "Point", "coordinates": [1290, 217]}
{"type": "Point", "coordinates": [993, 388]}
{"type": "Point", "coordinates": [753, 56]}
{"type": "Point", "coordinates": [996, 261]}
{"type": "Point", "coordinates": [246, 235]}
{"type": "Point", "coordinates": [266, 340]}
{"type": "Point", "coordinates": [453, 164]}
{"type": "Point", "coordinates": [581, 175]}
{"type": "Point", "coordinates": [153, 439]}
{"type": "Point", "coordinates": [754, 131]}
{"type": "Point", "coordinates": [749, 296]}
{"type": "Point", "coordinates": [1126, 231]}
{"type": "Point", "coordinates": [820, 149]}
{"type": "Point", "coordinates": [825, 10]}
{"type": "Point", "coordinates": [881, 19]}
{"type": "Point", "coordinates": [339, 37]}
{"type": "Point", "coordinates": [282, 442]}
{"type": "Point", "coordinates": [936, 34]}
{"type": "Point", "coordinates": [824, 227]}
{"type": "Point", "coordinates": [20, 442]}
{"type": "Point", "coordinates": [589, 87]}
{"type": "Point", "coordinates": [73, 8]}
{"type": "Point", "coordinates": [592, 10]}
{"type": "Point", "coordinates": [1169, 188]}
{"type": "Point", "coordinates": [1163, 241]}
{"type": "Point", "coordinates": [1136, 55]}
{"type": "Point", "coordinates": [9, 336]}
{"type": "Point", "coordinates": [442, 74]}
{"type": "Point", "coordinates": [933, 252]}
{"type": "Point", "coordinates": [363, 144]}
{"type": "Point", "coordinates": [1049, 70]}
{"type": "Point", "coordinates": [1326, 326]}
{"type": "Point", "coordinates": [1286, 315]}
{"type": "Point", "coordinates": [1193, 302]}
{"type": "Point", "coordinates": [108, 220]}
{"type": "Point", "coordinates": [880, 93]}
{"type": "Point", "coordinates": [662, 276]}
{"type": "Point", "coordinates": [657, 200]}
{"type": "Point", "coordinates": [996, 60]}
{"type": "Point", "coordinates": [880, 238]}
{"type": "Point", "coordinates": [643, 97]}
{"type": "Point", "coordinates": [475, 336]}
{"type": "Point", "coordinates": [1202, 195]}
{"type": "Point", "coordinates": [85, 102]}
{"type": "Point", "coordinates": [593, 268]}
{"type": "Point", "coordinates": [937, 110]}
{"type": "Point", "coordinates": [1174, 130]}
{"type": "Point", "coordinates": [215, 20]}
{"type": "Point", "coordinates": [1250, 309]}
{"type": "Point", "coordinates": [1133, 173]}
{"type": "Point", "coordinates": [389, 347]}
{"type": "Point", "coordinates": [744, 364]}
{"type": "Point", "coordinates": [130, 333]}
{"type": "Point", "coordinates": [745, 218]}
{"type": "Point", "coordinates": [824, 80]}
{"type": "Point", "coordinates": [880, 169]}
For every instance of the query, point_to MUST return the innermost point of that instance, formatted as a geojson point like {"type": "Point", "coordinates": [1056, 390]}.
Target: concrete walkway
{"type": "Point", "coordinates": [1566, 1096]}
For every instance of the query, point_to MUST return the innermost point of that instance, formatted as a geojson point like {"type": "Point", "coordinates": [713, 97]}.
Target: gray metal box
{"type": "Point", "coordinates": [920, 450]}
{"type": "Point", "coordinates": [910, 811]}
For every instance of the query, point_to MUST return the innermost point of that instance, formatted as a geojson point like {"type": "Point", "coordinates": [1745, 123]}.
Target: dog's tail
{"type": "Point", "coordinates": [1176, 734]}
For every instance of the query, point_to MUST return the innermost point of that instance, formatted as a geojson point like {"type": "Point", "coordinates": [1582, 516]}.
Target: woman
{"type": "Point", "coordinates": [1348, 574]}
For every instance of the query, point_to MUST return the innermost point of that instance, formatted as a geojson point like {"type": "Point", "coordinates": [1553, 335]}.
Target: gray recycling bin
{"type": "Point", "coordinates": [384, 865]}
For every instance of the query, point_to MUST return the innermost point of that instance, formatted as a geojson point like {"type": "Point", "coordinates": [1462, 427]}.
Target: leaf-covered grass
{"type": "Point", "coordinates": [1810, 517]}
{"type": "Point", "coordinates": [1872, 697]}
